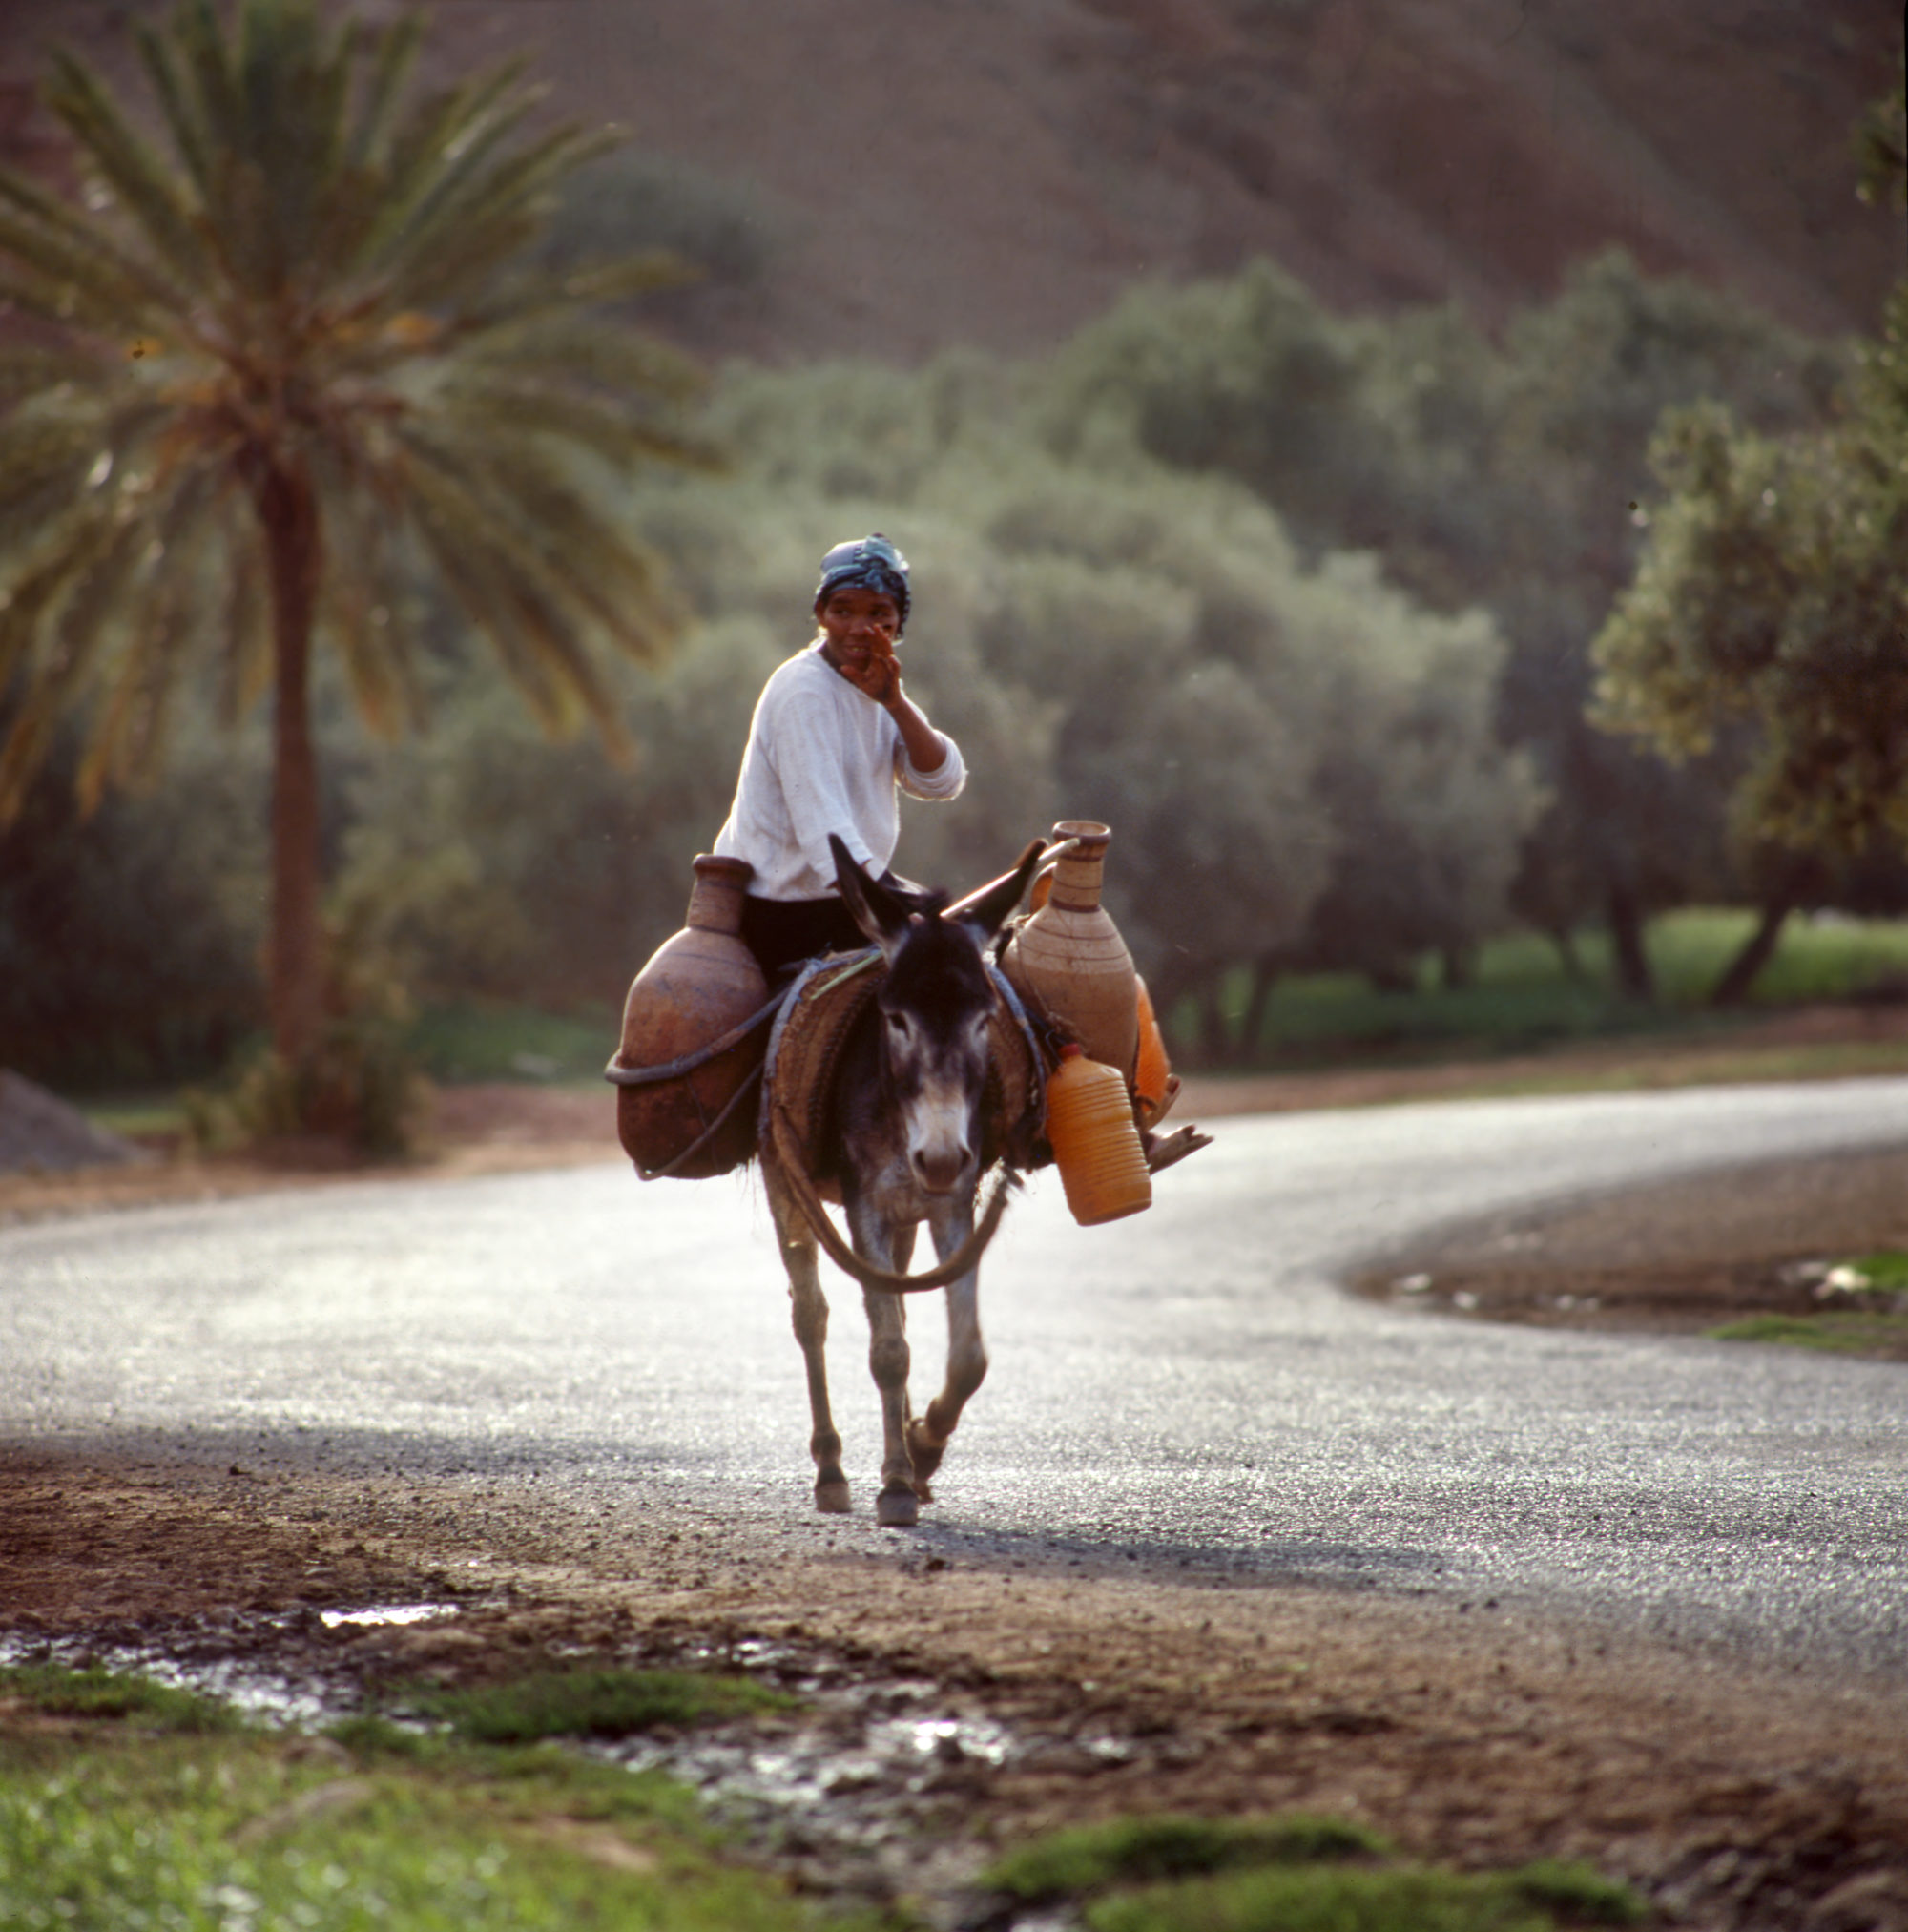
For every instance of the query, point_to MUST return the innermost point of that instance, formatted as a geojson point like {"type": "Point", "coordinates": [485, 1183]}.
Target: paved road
{"type": "Point", "coordinates": [1187, 1386]}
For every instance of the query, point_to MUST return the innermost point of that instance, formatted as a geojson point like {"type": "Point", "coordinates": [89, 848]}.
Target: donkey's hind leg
{"type": "Point", "coordinates": [966, 1360]}
{"type": "Point", "coordinates": [796, 1242]}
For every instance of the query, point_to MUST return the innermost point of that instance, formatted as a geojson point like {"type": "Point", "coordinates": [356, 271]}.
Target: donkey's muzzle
{"type": "Point", "coordinates": [940, 1170]}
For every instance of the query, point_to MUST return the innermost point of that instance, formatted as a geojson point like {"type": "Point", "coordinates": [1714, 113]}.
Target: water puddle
{"type": "Point", "coordinates": [387, 1613]}
{"type": "Point", "coordinates": [842, 1794]}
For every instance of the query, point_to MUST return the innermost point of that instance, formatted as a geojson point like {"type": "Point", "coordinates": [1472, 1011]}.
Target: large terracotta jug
{"type": "Point", "coordinates": [1069, 959]}
{"type": "Point", "coordinates": [697, 985]}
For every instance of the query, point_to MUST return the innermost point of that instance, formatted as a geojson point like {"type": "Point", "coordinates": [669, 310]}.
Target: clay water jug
{"type": "Point", "coordinates": [1096, 1146]}
{"type": "Point", "coordinates": [1067, 957]}
{"type": "Point", "coordinates": [697, 985]}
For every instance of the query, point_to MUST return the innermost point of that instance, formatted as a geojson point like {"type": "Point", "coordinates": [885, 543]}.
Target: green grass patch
{"type": "Point", "coordinates": [61, 1692]}
{"type": "Point", "coordinates": [133, 1116]}
{"type": "Point", "coordinates": [1524, 999]}
{"type": "Point", "coordinates": [511, 1043]}
{"type": "Point", "coordinates": [1128, 1850]}
{"type": "Point", "coordinates": [1327, 1898]}
{"type": "Point", "coordinates": [112, 1826]}
{"type": "Point", "coordinates": [1834, 1332]}
{"type": "Point", "coordinates": [1291, 1873]}
{"type": "Point", "coordinates": [593, 1703]}
{"type": "Point", "coordinates": [1885, 1272]}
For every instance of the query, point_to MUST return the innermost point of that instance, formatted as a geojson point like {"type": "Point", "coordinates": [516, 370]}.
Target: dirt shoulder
{"type": "Point", "coordinates": [1734, 1797]}
{"type": "Point", "coordinates": [1682, 1258]}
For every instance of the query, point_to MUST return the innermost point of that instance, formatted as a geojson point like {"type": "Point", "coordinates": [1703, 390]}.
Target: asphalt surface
{"type": "Point", "coordinates": [1187, 1389]}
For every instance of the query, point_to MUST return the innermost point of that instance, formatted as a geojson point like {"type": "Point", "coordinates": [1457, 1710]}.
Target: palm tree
{"type": "Point", "coordinates": [268, 364]}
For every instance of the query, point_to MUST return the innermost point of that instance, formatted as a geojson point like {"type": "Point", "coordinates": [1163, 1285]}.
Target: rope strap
{"type": "Point", "coordinates": [671, 1167]}
{"type": "Point", "coordinates": [788, 1163]}
{"type": "Point", "coordinates": [675, 1069]}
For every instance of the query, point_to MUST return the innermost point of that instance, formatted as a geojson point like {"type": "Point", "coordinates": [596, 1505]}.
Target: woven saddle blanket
{"type": "Point", "coordinates": [813, 1027]}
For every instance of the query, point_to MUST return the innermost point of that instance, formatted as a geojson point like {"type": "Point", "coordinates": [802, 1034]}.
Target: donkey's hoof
{"type": "Point", "coordinates": [896, 1510]}
{"type": "Point", "coordinates": [831, 1496]}
{"type": "Point", "coordinates": [925, 1453]}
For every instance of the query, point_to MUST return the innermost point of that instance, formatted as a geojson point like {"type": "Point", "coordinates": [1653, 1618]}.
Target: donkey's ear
{"type": "Point", "coordinates": [985, 911]}
{"type": "Point", "coordinates": [873, 908]}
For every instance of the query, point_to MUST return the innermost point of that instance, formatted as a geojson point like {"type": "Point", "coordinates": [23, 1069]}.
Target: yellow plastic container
{"type": "Point", "coordinates": [1096, 1146]}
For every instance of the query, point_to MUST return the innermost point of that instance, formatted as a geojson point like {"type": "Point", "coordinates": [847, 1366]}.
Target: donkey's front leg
{"type": "Point", "coordinates": [966, 1354]}
{"type": "Point", "coordinates": [797, 1241]}
{"type": "Point", "coordinates": [890, 1247]}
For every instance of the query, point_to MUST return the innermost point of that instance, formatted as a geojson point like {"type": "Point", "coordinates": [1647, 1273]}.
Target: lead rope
{"type": "Point", "coordinates": [788, 1164]}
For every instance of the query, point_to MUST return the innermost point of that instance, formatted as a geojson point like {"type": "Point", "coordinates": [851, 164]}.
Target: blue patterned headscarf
{"type": "Point", "coordinates": [869, 563]}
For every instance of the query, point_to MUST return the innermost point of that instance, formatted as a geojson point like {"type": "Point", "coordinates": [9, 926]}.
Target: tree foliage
{"type": "Point", "coordinates": [1775, 591]}
{"type": "Point", "coordinates": [285, 350]}
{"type": "Point", "coordinates": [1499, 474]}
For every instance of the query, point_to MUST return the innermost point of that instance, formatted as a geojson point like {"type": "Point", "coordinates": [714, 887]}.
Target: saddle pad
{"type": "Point", "coordinates": [812, 1028]}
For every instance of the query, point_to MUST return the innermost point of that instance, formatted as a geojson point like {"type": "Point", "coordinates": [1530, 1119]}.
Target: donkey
{"type": "Point", "coordinates": [903, 1143]}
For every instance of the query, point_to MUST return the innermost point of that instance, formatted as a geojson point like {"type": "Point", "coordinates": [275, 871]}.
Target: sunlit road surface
{"type": "Point", "coordinates": [1187, 1388]}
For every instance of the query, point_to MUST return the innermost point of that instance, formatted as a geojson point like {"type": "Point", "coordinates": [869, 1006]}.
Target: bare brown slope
{"type": "Point", "coordinates": [996, 173]}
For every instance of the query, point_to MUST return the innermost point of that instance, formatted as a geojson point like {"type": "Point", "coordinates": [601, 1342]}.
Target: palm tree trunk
{"type": "Point", "coordinates": [288, 512]}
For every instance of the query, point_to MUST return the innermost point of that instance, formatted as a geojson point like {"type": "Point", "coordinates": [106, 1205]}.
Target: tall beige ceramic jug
{"type": "Point", "coordinates": [1069, 959]}
{"type": "Point", "coordinates": [696, 987]}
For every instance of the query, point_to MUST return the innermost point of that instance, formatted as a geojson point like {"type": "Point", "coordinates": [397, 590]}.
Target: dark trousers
{"type": "Point", "coordinates": [783, 932]}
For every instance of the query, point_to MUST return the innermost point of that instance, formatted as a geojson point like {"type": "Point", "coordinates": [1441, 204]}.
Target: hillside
{"type": "Point", "coordinates": [996, 173]}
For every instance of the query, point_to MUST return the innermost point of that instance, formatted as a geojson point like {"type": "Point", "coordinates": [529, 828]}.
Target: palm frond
{"type": "Point", "coordinates": [588, 351]}
{"type": "Point", "coordinates": [549, 532]}
{"type": "Point", "coordinates": [364, 607]}
{"type": "Point", "coordinates": [76, 229]}
{"type": "Point", "coordinates": [128, 735]}
{"type": "Point", "coordinates": [29, 369]}
{"type": "Point", "coordinates": [517, 406]}
{"type": "Point", "coordinates": [180, 100]}
{"type": "Point", "coordinates": [128, 165]}
{"type": "Point", "coordinates": [85, 285]}
{"type": "Point", "coordinates": [62, 460]}
{"type": "Point", "coordinates": [460, 259]}
{"type": "Point", "coordinates": [421, 148]}
{"type": "Point", "coordinates": [50, 632]}
{"type": "Point", "coordinates": [392, 59]}
{"type": "Point", "coordinates": [518, 299]}
{"type": "Point", "coordinates": [205, 71]}
{"type": "Point", "coordinates": [510, 594]}
{"type": "Point", "coordinates": [482, 211]}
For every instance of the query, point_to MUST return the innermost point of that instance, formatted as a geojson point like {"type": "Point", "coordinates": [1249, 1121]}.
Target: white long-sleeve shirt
{"type": "Point", "coordinates": [824, 756]}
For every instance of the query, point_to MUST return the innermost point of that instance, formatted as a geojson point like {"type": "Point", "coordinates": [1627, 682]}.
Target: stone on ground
{"type": "Point", "coordinates": [40, 1133]}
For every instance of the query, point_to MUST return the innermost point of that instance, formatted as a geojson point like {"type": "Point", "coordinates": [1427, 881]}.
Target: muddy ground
{"type": "Point", "coordinates": [1054, 1686]}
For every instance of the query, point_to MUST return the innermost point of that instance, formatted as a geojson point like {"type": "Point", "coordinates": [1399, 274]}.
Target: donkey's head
{"type": "Point", "coordinates": [933, 1011]}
